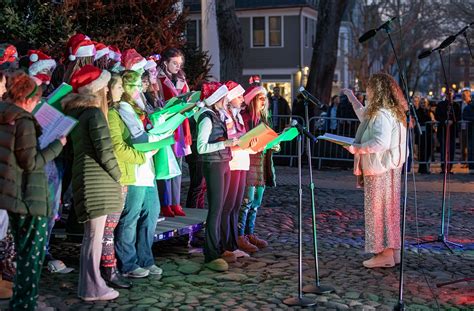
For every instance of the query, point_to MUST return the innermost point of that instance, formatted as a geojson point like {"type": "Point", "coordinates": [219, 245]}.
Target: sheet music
{"type": "Point", "coordinates": [337, 139]}
{"type": "Point", "coordinates": [53, 123]}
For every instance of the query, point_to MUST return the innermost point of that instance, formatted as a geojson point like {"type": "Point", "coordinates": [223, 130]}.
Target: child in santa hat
{"type": "Point", "coordinates": [80, 51]}
{"type": "Point", "coordinates": [260, 174]}
{"type": "Point", "coordinates": [95, 175]}
{"type": "Point", "coordinates": [213, 146]}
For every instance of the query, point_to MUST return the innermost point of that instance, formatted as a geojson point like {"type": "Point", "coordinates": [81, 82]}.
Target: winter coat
{"type": "Point", "coordinates": [95, 171]}
{"type": "Point", "coordinates": [127, 157]}
{"type": "Point", "coordinates": [261, 171]}
{"type": "Point", "coordinates": [23, 184]}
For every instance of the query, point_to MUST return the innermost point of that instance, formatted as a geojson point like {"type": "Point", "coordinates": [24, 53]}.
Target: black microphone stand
{"type": "Point", "coordinates": [316, 288]}
{"type": "Point", "coordinates": [300, 300]}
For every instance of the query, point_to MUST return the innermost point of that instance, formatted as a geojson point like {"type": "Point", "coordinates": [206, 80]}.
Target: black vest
{"type": "Point", "coordinates": [218, 133]}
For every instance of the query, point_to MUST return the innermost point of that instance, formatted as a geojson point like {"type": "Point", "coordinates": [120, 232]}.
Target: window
{"type": "Point", "coordinates": [309, 32]}
{"type": "Point", "coordinates": [275, 30]}
{"type": "Point", "coordinates": [258, 31]}
{"type": "Point", "coordinates": [267, 31]}
{"type": "Point", "coordinates": [193, 33]}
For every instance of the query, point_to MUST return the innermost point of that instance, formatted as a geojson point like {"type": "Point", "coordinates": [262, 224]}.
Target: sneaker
{"type": "Point", "coordinates": [154, 270]}
{"type": "Point", "coordinates": [240, 253]}
{"type": "Point", "coordinates": [244, 244]}
{"type": "Point", "coordinates": [57, 266]}
{"type": "Point", "coordinates": [138, 273]}
{"type": "Point", "coordinates": [382, 260]}
{"type": "Point", "coordinates": [178, 210]}
{"type": "Point", "coordinates": [109, 296]}
{"type": "Point", "coordinates": [166, 211]}
{"type": "Point", "coordinates": [229, 257]}
{"type": "Point", "coordinates": [257, 242]}
{"type": "Point", "coordinates": [219, 265]}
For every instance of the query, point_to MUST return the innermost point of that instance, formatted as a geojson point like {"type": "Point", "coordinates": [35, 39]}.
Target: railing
{"type": "Point", "coordinates": [428, 147]}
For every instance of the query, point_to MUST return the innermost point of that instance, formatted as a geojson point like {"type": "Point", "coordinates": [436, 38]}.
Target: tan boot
{"type": "Point", "coordinates": [396, 256]}
{"type": "Point", "coordinates": [229, 257]}
{"type": "Point", "coordinates": [6, 291]}
{"type": "Point", "coordinates": [381, 260]}
{"type": "Point", "coordinates": [257, 242]}
{"type": "Point", "coordinates": [244, 244]}
{"type": "Point", "coordinates": [219, 265]}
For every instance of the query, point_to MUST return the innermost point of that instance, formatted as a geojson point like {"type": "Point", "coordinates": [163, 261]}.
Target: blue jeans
{"type": "Point", "coordinates": [248, 212]}
{"type": "Point", "coordinates": [136, 228]}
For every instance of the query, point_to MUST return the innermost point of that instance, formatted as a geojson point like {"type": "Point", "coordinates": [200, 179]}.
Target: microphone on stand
{"type": "Point", "coordinates": [371, 33]}
{"type": "Point", "coordinates": [308, 96]}
{"type": "Point", "coordinates": [303, 131]}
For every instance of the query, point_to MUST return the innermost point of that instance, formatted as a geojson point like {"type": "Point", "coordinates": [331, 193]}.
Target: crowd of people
{"type": "Point", "coordinates": [118, 191]}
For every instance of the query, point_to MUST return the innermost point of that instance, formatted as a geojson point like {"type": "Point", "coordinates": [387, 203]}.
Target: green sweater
{"type": "Point", "coordinates": [127, 157]}
{"type": "Point", "coordinates": [23, 184]}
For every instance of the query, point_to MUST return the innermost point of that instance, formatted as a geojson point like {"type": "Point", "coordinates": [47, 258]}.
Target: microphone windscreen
{"type": "Point", "coordinates": [366, 36]}
{"type": "Point", "coordinates": [424, 54]}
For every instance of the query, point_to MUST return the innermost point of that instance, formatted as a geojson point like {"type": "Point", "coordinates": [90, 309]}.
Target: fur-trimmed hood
{"type": "Point", "coordinates": [77, 101]}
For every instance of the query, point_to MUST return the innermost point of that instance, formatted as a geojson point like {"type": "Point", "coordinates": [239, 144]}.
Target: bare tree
{"type": "Point", "coordinates": [323, 61]}
{"type": "Point", "coordinates": [231, 45]}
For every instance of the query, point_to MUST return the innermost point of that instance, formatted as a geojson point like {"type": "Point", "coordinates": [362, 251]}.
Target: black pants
{"type": "Point", "coordinates": [197, 185]}
{"type": "Point", "coordinates": [230, 213]}
{"type": "Point", "coordinates": [424, 143]}
{"type": "Point", "coordinates": [217, 175]}
{"type": "Point", "coordinates": [442, 142]}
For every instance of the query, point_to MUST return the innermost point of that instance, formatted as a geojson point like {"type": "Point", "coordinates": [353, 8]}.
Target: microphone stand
{"type": "Point", "coordinates": [442, 238]}
{"type": "Point", "coordinates": [300, 300]}
{"type": "Point", "coordinates": [316, 288]}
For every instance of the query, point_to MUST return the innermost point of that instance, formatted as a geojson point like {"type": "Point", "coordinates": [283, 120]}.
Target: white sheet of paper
{"type": "Point", "coordinates": [53, 123]}
{"type": "Point", "coordinates": [337, 139]}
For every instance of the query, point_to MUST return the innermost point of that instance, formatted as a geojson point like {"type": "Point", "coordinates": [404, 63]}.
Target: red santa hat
{"type": "Point", "coordinates": [114, 53]}
{"type": "Point", "coordinates": [212, 92]}
{"type": "Point", "coordinates": [42, 78]}
{"type": "Point", "coordinates": [39, 61]}
{"type": "Point", "coordinates": [8, 54]}
{"type": "Point", "coordinates": [101, 50]}
{"type": "Point", "coordinates": [150, 63]}
{"type": "Point", "coordinates": [80, 45]}
{"type": "Point", "coordinates": [252, 91]}
{"type": "Point", "coordinates": [89, 79]}
{"type": "Point", "coordinates": [131, 60]}
{"type": "Point", "coordinates": [235, 90]}
{"type": "Point", "coordinates": [254, 79]}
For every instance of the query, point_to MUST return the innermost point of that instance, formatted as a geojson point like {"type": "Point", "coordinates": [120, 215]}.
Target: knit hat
{"type": "Point", "coordinates": [252, 91]}
{"type": "Point", "coordinates": [101, 50]}
{"type": "Point", "coordinates": [131, 60]}
{"type": "Point", "coordinates": [212, 92]}
{"type": "Point", "coordinates": [80, 45]}
{"type": "Point", "coordinates": [235, 90]}
{"type": "Point", "coordinates": [114, 53]}
{"type": "Point", "coordinates": [8, 54]}
{"type": "Point", "coordinates": [89, 79]}
{"type": "Point", "coordinates": [39, 61]}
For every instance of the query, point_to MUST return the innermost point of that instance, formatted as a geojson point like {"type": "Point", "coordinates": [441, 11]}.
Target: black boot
{"type": "Point", "coordinates": [113, 278]}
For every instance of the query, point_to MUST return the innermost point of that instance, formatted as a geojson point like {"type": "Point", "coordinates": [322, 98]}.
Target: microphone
{"type": "Point", "coordinates": [308, 96]}
{"type": "Point", "coordinates": [303, 131]}
{"type": "Point", "coordinates": [447, 42]}
{"type": "Point", "coordinates": [424, 54]}
{"type": "Point", "coordinates": [371, 33]}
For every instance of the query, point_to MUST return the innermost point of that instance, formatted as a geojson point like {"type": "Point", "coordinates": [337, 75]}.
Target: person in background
{"type": "Point", "coordinates": [332, 114]}
{"type": "Point", "coordinates": [379, 155]}
{"type": "Point", "coordinates": [468, 118]}
{"type": "Point", "coordinates": [23, 168]}
{"type": "Point", "coordinates": [424, 140]}
{"type": "Point", "coordinates": [95, 174]}
{"type": "Point", "coordinates": [466, 101]}
{"type": "Point", "coordinates": [279, 106]}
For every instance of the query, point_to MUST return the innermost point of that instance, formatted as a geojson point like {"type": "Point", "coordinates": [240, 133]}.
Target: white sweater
{"type": "Point", "coordinates": [382, 146]}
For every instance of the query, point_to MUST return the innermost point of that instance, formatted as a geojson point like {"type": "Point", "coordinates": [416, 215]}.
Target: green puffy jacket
{"type": "Point", "coordinates": [23, 184]}
{"type": "Point", "coordinates": [127, 157]}
{"type": "Point", "coordinates": [95, 171]}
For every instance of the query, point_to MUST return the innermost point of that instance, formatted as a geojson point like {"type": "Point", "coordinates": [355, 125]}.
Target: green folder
{"type": "Point", "coordinates": [194, 97]}
{"type": "Point", "coordinates": [166, 113]}
{"type": "Point", "coordinates": [287, 135]}
{"type": "Point", "coordinates": [170, 124]}
{"type": "Point", "coordinates": [144, 147]}
{"type": "Point", "coordinates": [54, 99]}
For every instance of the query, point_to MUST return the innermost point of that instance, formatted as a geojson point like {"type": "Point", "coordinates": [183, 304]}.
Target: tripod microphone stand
{"type": "Point", "coordinates": [300, 300]}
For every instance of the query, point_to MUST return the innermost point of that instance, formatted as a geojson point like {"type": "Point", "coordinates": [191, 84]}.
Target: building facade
{"type": "Point", "coordinates": [278, 37]}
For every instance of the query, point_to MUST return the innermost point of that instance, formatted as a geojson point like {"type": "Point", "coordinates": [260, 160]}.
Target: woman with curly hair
{"type": "Point", "coordinates": [379, 154]}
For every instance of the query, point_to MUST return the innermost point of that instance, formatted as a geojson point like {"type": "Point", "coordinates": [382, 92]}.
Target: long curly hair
{"type": "Point", "coordinates": [384, 92]}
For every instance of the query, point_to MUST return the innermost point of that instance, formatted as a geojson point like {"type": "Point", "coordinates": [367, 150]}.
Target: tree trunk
{"type": "Point", "coordinates": [323, 61]}
{"type": "Point", "coordinates": [230, 41]}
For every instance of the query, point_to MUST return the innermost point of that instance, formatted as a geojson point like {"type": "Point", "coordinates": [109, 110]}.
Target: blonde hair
{"type": "Point", "coordinates": [75, 65]}
{"type": "Point", "coordinates": [259, 115]}
{"type": "Point", "coordinates": [101, 96]}
{"type": "Point", "coordinates": [385, 93]}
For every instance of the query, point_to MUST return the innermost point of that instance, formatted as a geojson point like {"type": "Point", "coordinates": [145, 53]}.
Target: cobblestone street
{"type": "Point", "coordinates": [264, 280]}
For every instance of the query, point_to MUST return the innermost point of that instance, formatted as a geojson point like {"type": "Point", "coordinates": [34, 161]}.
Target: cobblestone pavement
{"type": "Point", "coordinates": [264, 280]}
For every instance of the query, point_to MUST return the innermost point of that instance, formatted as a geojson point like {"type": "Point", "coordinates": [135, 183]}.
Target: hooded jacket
{"type": "Point", "coordinates": [95, 171]}
{"type": "Point", "coordinates": [23, 184]}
